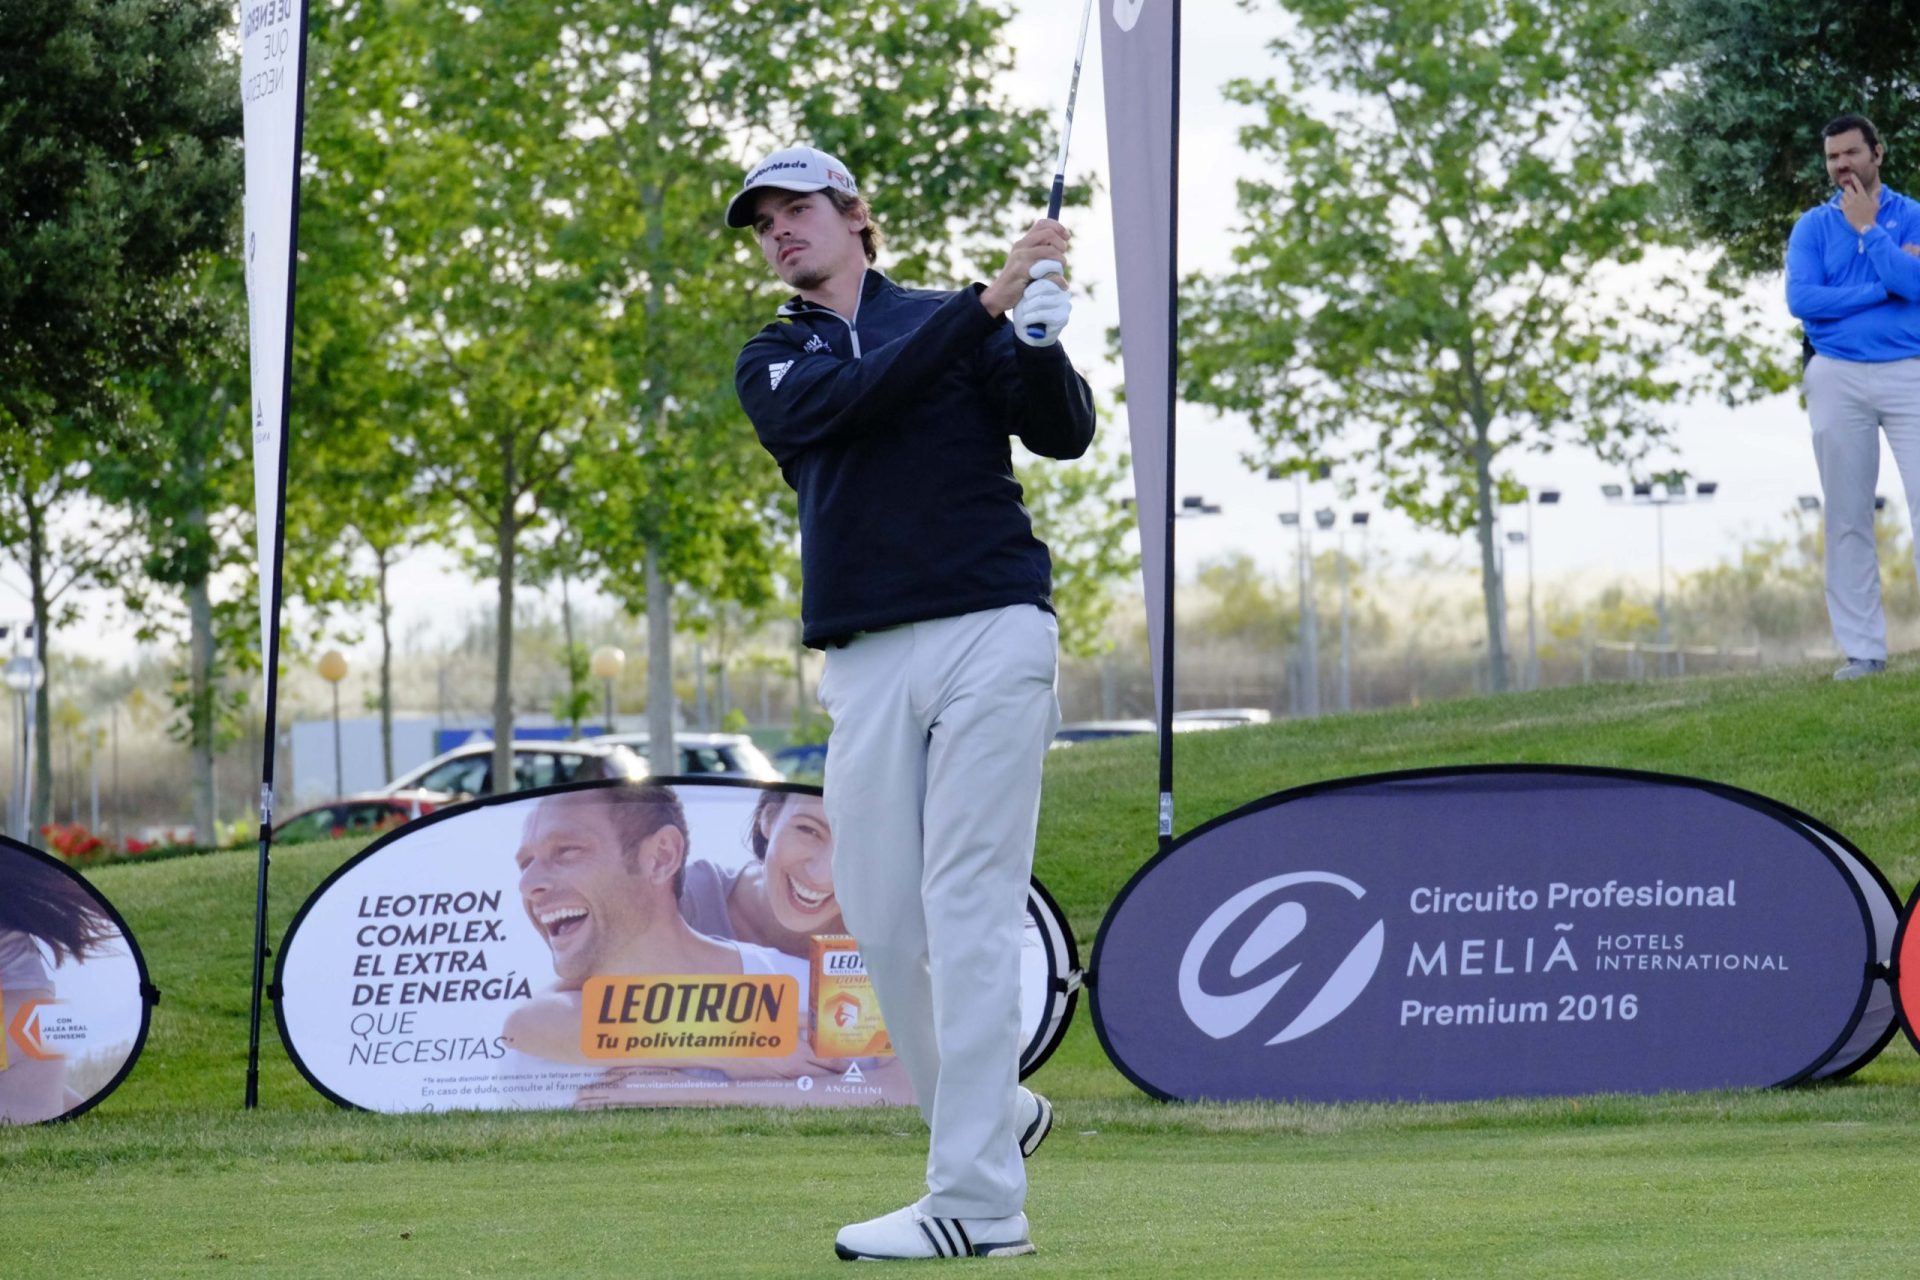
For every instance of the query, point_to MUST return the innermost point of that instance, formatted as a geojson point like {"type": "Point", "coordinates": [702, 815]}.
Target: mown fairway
{"type": "Point", "coordinates": [170, 1177]}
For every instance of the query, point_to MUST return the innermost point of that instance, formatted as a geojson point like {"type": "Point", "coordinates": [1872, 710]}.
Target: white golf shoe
{"type": "Point", "coordinates": [909, 1233]}
{"type": "Point", "coordinates": [1036, 1121]}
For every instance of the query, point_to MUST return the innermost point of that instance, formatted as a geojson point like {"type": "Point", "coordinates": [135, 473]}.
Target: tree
{"type": "Point", "coordinates": [52, 530]}
{"type": "Point", "coordinates": [1459, 255]}
{"type": "Point", "coordinates": [1078, 511]}
{"type": "Point", "coordinates": [1738, 135]}
{"type": "Point", "coordinates": [117, 166]}
{"type": "Point", "coordinates": [545, 183]}
{"type": "Point", "coordinates": [189, 492]}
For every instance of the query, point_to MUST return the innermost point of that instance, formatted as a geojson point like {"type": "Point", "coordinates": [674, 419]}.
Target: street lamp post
{"type": "Point", "coordinates": [1660, 495]}
{"type": "Point", "coordinates": [24, 675]}
{"type": "Point", "coordinates": [333, 669]}
{"type": "Point", "coordinates": [1358, 520]}
{"type": "Point", "coordinates": [607, 663]}
{"type": "Point", "coordinates": [1307, 699]}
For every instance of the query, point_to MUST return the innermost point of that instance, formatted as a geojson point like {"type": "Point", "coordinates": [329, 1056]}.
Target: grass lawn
{"type": "Point", "coordinates": [170, 1177]}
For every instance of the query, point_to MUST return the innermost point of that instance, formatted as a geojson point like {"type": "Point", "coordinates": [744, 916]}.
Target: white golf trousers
{"type": "Point", "coordinates": [933, 791]}
{"type": "Point", "coordinates": [1850, 404]}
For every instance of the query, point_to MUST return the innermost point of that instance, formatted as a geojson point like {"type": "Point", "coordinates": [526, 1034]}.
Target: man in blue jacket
{"type": "Point", "coordinates": [1853, 279]}
{"type": "Point", "coordinates": [890, 412]}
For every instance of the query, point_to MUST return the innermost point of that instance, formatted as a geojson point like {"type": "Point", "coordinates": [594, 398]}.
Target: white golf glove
{"type": "Point", "coordinates": [1044, 309]}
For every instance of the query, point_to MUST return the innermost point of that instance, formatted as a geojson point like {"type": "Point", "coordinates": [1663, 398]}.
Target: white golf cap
{"type": "Point", "coordinates": [791, 169]}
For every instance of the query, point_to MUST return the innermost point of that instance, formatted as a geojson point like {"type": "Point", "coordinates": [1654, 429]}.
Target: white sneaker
{"type": "Point", "coordinates": [909, 1233]}
{"type": "Point", "coordinates": [1038, 1121]}
{"type": "Point", "coordinates": [1858, 667]}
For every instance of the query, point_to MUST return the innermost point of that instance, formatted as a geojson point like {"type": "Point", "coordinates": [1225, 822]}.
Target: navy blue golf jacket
{"type": "Point", "coordinates": [893, 428]}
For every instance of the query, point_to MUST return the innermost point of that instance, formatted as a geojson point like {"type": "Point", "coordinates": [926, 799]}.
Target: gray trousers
{"type": "Point", "coordinates": [1850, 404]}
{"type": "Point", "coordinates": [933, 792]}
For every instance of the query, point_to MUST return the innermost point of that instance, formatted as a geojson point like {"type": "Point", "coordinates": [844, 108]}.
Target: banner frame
{"type": "Point", "coordinates": [1749, 799]}
{"type": "Point", "coordinates": [149, 994]}
{"type": "Point", "coordinates": [1056, 980]}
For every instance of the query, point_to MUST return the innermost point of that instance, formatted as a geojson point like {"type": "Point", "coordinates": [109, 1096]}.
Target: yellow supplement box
{"type": "Point", "coordinates": [846, 1013]}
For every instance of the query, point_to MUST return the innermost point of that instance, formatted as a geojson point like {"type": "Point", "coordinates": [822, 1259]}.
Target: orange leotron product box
{"type": "Point", "coordinates": [846, 1013]}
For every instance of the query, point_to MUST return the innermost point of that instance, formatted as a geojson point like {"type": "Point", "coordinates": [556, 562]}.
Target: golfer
{"type": "Point", "coordinates": [890, 412]}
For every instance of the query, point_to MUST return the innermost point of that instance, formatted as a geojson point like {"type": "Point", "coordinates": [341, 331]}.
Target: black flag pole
{"type": "Point", "coordinates": [1173, 399]}
{"type": "Point", "coordinates": [271, 658]}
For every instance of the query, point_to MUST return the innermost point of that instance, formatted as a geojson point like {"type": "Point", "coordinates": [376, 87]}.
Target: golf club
{"type": "Point", "coordinates": [1066, 135]}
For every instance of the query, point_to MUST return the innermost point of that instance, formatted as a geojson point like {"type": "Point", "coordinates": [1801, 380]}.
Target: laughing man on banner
{"type": "Point", "coordinates": [889, 411]}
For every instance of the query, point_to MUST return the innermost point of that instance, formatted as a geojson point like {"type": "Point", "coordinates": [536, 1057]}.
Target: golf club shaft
{"type": "Point", "coordinates": [1059, 191]}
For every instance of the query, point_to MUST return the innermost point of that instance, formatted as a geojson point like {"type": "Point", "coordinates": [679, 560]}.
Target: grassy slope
{"type": "Point", "coordinates": [175, 1180]}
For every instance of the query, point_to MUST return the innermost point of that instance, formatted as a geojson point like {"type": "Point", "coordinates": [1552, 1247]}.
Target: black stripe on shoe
{"type": "Point", "coordinates": [1036, 1133]}
{"type": "Point", "coordinates": [959, 1229]}
{"type": "Point", "coordinates": [938, 1239]}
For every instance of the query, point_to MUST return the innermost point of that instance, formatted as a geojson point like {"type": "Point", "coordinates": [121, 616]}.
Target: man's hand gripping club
{"type": "Point", "coordinates": [1031, 288]}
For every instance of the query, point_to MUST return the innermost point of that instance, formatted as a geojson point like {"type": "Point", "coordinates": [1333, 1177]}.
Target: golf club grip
{"type": "Point", "coordinates": [1054, 198]}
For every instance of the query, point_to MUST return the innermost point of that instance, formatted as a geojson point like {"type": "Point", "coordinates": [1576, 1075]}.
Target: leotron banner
{"type": "Point", "coordinates": [273, 39]}
{"type": "Point", "coordinates": [1137, 49]}
{"type": "Point", "coordinates": [607, 944]}
{"type": "Point", "coordinates": [1472, 933]}
{"type": "Point", "coordinates": [74, 995]}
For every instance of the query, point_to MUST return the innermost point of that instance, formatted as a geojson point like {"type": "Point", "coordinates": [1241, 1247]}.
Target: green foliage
{"type": "Point", "coordinates": [1239, 602]}
{"type": "Point", "coordinates": [1078, 512]}
{"type": "Point", "coordinates": [1738, 135]}
{"type": "Point", "coordinates": [118, 120]}
{"type": "Point", "coordinates": [1457, 254]}
{"type": "Point", "coordinates": [519, 207]}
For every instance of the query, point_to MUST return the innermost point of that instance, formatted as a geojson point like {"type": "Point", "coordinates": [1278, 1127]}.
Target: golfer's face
{"type": "Point", "coordinates": [1851, 162]}
{"type": "Point", "coordinates": [576, 888]}
{"type": "Point", "coordinates": [804, 238]}
{"type": "Point", "coordinates": [800, 867]}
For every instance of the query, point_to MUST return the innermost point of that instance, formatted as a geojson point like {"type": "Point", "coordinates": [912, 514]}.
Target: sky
{"type": "Point", "coordinates": [1759, 455]}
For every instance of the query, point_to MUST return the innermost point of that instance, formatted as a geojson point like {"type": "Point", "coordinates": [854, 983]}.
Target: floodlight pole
{"type": "Point", "coordinates": [1660, 558]}
{"type": "Point", "coordinates": [1346, 630]}
{"type": "Point", "coordinates": [1533, 634]}
{"type": "Point", "coordinates": [1309, 616]}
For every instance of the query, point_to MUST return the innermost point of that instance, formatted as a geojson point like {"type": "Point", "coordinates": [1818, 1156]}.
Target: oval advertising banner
{"type": "Point", "coordinates": [1050, 979]}
{"type": "Point", "coordinates": [1472, 933]}
{"type": "Point", "coordinates": [670, 943]}
{"type": "Point", "coordinates": [1906, 970]}
{"type": "Point", "coordinates": [74, 995]}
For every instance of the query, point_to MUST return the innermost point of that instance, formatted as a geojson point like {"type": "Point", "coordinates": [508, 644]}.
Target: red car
{"type": "Point", "coordinates": [361, 817]}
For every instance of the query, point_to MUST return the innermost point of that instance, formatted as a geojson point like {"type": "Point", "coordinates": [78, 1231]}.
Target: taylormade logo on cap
{"type": "Point", "coordinates": [792, 169]}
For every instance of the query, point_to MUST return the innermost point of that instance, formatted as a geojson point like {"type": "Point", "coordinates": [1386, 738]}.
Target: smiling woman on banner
{"type": "Point", "coordinates": [784, 898]}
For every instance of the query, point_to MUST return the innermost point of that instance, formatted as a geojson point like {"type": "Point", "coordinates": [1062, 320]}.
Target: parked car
{"type": "Point", "coordinates": [726, 755]}
{"type": "Point", "coordinates": [466, 771]}
{"type": "Point", "coordinates": [361, 815]}
{"type": "Point", "coordinates": [1219, 718]}
{"type": "Point", "coordinates": [1094, 730]}
{"type": "Point", "coordinates": [807, 760]}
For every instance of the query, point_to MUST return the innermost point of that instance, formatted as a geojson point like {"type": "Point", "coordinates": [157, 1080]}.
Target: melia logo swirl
{"type": "Point", "coordinates": [1223, 1014]}
{"type": "Point", "coordinates": [1127, 12]}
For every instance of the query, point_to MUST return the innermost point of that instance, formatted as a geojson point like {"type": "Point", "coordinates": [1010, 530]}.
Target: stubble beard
{"type": "Point", "coordinates": [808, 279]}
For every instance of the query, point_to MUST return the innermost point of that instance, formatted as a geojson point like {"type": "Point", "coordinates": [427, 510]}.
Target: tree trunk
{"type": "Point", "coordinates": [381, 565]}
{"type": "Point", "coordinates": [506, 537]}
{"type": "Point", "coordinates": [1491, 586]}
{"type": "Point", "coordinates": [40, 807]}
{"type": "Point", "coordinates": [206, 829]}
{"type": "Point", "coordinates": [573, 669]}
{"type": "Point", "coordinates": [663, 756]}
